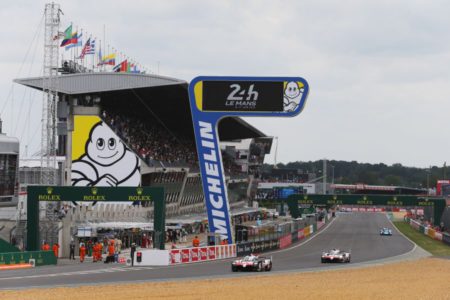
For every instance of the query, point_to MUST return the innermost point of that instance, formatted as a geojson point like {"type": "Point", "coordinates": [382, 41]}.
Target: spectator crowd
{"type": "Point", "coordinates": [151, 141]}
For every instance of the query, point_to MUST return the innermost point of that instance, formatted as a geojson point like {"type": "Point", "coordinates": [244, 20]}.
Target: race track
{"type": "Point", "coordinates": [358, 232]}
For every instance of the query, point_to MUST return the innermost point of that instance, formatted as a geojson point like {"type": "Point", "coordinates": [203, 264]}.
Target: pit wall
{"type": "Point", "coordinates": [212, 253]}
{"type": "Point", "coordinates": [427, 230]}
{"type": "Point", "coordinates": [296, 234]}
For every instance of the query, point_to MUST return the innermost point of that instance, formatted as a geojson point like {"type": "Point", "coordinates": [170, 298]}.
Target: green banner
{"type": "Point", "coordinates": [94, 194]}
{"type": "Point", "coordinates": [41, 258]}
{"type": "Point", "coordinates": [90, 194]}
{"type": "Point", "coordinates": [438, 204]}
{"type": "Point", "coordinates": [385, 200]}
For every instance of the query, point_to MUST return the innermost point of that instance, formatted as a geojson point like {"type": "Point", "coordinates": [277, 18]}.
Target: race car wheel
{"type": "Point", "coordinates": [259, 268]}
{"type": "Point", "coordinates": [323, 260]}
{"type": "Point", "coordinates": [348, 259]}
{"type": "Point", "coordinates": [234, 269]}
{"type": "Point", "coordinates": [269, 267]}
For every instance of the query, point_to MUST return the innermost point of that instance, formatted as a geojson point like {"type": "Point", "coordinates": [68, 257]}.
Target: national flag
{"type": "Point", "coordinates": [124, 66]}
{"type": "Point", "coordinates": [89, 48]}
{"type": "Point", "coordinates": [75, 41]}
{"type": "Point", "coordinates": [121, 67]}
{"type": "Point", "coordinates": [117, 68]}
{"type": "Point", "coordinates": [109, 59]}
{"type": "Point", "coordinates": [134, 69]}
{"type": "Point", "coordinates": [67, 36]}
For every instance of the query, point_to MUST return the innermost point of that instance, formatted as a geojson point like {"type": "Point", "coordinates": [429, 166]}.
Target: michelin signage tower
{"type": "Point", "coordinates": [213, 98]}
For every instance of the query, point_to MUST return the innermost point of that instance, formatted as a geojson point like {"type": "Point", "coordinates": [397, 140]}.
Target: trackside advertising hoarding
{"type": "Point", "coordinates": [213, 98]}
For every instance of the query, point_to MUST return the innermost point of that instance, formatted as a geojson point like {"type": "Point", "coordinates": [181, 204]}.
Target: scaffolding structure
{"type": "Point", "coordinates": [50, 95]}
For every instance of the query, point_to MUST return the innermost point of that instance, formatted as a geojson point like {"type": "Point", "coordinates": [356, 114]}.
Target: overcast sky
{"type": "Point", "coordinates": [379, 71]}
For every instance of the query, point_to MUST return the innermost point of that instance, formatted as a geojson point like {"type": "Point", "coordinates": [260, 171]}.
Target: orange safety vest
{"type": "Point", "coordinates": [56, 250]}
{"type": "Point", "coordinates": [195, 242]}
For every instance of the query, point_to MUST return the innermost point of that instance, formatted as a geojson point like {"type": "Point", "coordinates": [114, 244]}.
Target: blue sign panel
{"type": "Point", "coordinates": [213, 98]}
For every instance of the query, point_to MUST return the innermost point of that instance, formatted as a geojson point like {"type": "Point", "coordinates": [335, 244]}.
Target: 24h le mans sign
{"type": "Point", "coordinates": [213, 98]}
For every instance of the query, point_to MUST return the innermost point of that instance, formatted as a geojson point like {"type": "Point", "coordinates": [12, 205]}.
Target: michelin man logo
{"type": "Point", "coordinates": [106, 161]}
{"type": "Point", "coordinates": [292, 95]}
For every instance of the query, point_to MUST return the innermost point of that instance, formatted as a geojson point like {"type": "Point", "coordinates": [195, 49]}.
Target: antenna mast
{"type": "Point", "coordinates": [50, 95]}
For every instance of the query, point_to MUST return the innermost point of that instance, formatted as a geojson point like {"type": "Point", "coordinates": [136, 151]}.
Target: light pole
{"type": "Point", "coordinates": [428, 181]}
{"type": "Point", "coordinates": [324, 176]}
{"type": "Point", "coordinates": [332, 174]}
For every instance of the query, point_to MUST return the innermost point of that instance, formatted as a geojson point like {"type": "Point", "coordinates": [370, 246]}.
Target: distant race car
{"type": "Point", "coordinates": [335, 255]}
{"type": "Point", "coordinates": [385, 231]}
{"type": "Point", "coordinates": [252, 263]}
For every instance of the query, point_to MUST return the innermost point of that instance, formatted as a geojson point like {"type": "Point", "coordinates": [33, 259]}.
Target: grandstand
{"type": "Point", "coordinates": [9, 162]}
{"type": "Point", "coordinates": [150, 114]}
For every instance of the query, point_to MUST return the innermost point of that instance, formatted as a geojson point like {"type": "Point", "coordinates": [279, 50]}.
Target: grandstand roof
{"type": "Point", "coordinates": [163, 96]}
{"type": "Point", "coordinates": [82, 83]}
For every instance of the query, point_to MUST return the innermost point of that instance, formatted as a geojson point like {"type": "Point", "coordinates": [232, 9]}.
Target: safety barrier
{"type": "Point", "coordinates": [199, 254]}
{"type": "Point", "coordinates": [432, 233]}
{"type": "Point", "coordinates": [285, 241]}
{"type": "Point", "coordinates": [41, 258]}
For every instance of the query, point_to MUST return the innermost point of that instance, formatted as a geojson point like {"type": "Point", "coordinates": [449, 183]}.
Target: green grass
{"type": "Point", "coordinates": [434, 247]}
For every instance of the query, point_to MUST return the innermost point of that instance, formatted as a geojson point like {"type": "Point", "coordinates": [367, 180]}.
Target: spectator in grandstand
{"type": "Point", "coordinates": [150, 141]}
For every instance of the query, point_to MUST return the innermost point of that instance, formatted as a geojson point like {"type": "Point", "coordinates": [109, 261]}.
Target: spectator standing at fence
{"type": "Point", "coordinates": [183, 235]}
{"type": "Point", "coordinates": [132, 251]}
{"type": "Point", "coordinates": [195, 242]}
{"type": "Point", "coordinates": [72, 250]}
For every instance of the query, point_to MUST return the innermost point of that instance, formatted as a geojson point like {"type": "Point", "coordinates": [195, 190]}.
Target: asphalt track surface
{"type": "Point", "coordinates": [356, 232]}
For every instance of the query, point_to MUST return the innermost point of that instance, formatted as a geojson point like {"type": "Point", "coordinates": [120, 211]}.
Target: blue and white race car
{"type": "Point", "coordinates": [385, 231]}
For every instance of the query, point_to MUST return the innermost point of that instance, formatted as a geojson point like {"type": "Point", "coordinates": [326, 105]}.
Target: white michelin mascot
{"type": "Point", "coordinates": [107, 161]}
{"type": "Point", "coordinates": [292, 96]}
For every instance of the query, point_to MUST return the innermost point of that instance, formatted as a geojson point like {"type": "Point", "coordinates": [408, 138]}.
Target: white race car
{"type": "Point", "coordinates": [335, 255]}
{"type": "Point", "coordinates": [385, 231]}
{"type": "Point", "coordinates": [252, 263]}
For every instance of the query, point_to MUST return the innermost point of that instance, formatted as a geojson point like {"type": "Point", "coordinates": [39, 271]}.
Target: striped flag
{"type": "Point", "coordinates": [89, 48]}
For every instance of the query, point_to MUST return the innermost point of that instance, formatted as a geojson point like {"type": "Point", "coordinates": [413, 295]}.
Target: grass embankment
{"type": "Point", "coordinates": [434, 247]}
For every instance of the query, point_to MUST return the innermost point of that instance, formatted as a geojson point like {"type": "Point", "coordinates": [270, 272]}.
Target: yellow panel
{"type": "Point", "coordinates": [300, 84]}
{"type": "Point", "coordinates": [198, 93]}
{"type": "Point", "coordinates": [80, 134]}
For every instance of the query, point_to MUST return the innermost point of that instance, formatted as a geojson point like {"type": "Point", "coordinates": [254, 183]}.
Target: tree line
{"type": "Point", "coordinates": [345, 172]}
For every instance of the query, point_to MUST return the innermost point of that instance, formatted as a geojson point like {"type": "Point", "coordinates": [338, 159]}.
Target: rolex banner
{"type": "Point", "coordinates": [93, 194]}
